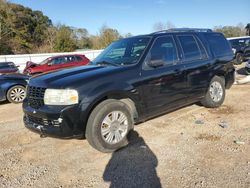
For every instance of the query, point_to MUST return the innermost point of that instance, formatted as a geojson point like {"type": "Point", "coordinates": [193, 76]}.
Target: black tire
{"type": "Point", "coordinates": [18, 99]}
{"type": "Point", "coordinates": [238, 58]}
{"type": "Point", "coordinates": [93, 129]}
{"type": "Point", "coordinates": [247, 71]}
{"type": "Point", "coordinates": [208, 101]}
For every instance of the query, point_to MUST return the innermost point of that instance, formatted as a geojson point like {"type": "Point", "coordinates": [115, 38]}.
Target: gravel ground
{"type": "Point", "coordinates": [190, 147]}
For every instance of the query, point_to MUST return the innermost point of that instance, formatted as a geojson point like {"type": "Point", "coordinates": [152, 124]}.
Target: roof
{"type": "Point", "coordinates": [231, 38]}
{"type": "Point", "coordinates": [176, 30]}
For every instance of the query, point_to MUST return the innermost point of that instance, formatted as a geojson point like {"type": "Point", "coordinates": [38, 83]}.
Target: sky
{"type": "Point", "coordinates": [140, 16]}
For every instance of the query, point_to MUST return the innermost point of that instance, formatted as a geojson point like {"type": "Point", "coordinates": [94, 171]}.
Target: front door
{"type": "Point", "coordinates": [164, 87]}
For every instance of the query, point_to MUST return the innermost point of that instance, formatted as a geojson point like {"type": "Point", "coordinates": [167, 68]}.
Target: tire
{"type": "Point", "coordinates": [16, 94]}
{"type": "Point", "coordinates": [96, 128]}
{"type": "Point", "coordinates": [247, 71]}
{"type": "Point", "coordinates": [238, 58]}
{"type": "Point", "coordinates": [216, 92]}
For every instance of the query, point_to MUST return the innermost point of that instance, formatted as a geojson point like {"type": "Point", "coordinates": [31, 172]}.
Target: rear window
{"type": "Point", "coordinates": [219, 44]}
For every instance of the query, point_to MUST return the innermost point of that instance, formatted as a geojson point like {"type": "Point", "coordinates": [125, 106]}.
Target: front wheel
{"type": "Point", "coordinates": [238, 58]}
{"type": "Point", "coordinates": [16, 94]}
{"type": "Point", "coordinates": [108, 126]}
{"type": "Point", "coordinates": [215, 95]}
{"type": "Point", "coordinates": [247, 71]}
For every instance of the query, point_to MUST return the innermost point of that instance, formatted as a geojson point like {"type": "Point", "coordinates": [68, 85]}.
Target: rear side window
{"type": "Point", "coordinates": [78, 58]}
{"type": "Point", "coordinates": [190, 47]}
{"type": "Point", "coordinates": [219, 44]}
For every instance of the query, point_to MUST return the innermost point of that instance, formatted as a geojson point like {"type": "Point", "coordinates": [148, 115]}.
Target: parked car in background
{"type": "Point", "coordinates": [13, 87]}
{"type": "Point", "coordinates": [247, 53]}
{"type": "Point", "coordinates": [247, 67]}
{"type": "Point", "coordinates": [8, 67]}
{"type": "Point", "coordinates": [132, 80]}
{"type": "Point", "coordinates": [239, 45]}
{"type": "Point", "coordinates": [55, 63]}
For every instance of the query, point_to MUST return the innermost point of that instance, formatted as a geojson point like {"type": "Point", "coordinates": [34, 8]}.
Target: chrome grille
{"type": "Point", "coordinates": [35, 96]}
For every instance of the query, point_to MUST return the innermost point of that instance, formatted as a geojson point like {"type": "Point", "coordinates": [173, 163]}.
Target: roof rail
{"type": "Point", "coordinates": [184, 30]}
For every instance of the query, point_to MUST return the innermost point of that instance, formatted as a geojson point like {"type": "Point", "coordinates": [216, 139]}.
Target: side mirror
{"type": "Point", "coordinates": [49, 63]}
{"type": "Point", "coordinates": [156, 63]}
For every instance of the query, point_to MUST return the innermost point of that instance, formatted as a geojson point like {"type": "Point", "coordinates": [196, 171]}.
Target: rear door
{"type": "Point", "coordinates": [163, 87]}
{"type": "Point", "coordinates": [198, 66]}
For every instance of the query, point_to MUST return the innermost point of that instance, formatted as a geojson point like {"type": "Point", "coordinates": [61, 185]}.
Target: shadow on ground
{"type": "Point", "coordinates": [4, 102]}
{"type": "Point", "coordinates": [133, 166]}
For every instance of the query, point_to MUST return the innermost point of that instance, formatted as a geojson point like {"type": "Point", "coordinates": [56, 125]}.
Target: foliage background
{"type": "Point", "coordinates": [23, 30]}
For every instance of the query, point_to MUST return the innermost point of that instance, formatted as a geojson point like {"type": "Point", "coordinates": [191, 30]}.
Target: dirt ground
{"type": "Point", "coordinates": [190, 147]}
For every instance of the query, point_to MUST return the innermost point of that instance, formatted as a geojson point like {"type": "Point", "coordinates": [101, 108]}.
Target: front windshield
{"type": "Point", "coordinates": [123, 52]}
{"type": "Point", "coordinates": [45, 61]}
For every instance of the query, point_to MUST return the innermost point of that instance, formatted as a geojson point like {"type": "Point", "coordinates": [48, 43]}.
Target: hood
{"type": "Point", "coordinates": [10, 70]}
{"type": "Point", "coordinates": [14, 76]}
{"type": "Point", "coordinates": [70, 78]}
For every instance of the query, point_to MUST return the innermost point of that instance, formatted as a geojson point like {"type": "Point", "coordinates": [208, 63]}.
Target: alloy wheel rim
{"type": "Point", "coordinates": [216, 91]}
{"type": "Point", "coordinates": [114, 127]}
{"type": "Point", "coordinates": [17, 94]}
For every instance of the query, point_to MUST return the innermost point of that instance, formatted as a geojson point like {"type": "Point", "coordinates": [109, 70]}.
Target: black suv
{"type": "Point", "coordinates": [132, 80]}
{"type": "Point", "coordinates": [240, 47]}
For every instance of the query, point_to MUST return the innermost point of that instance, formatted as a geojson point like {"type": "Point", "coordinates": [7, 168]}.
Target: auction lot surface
{"type": "Point", "coordinates": [190, 147]}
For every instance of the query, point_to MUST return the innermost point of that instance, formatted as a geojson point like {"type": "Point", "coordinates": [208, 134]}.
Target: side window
{"type": "Point", "coordinates": [190, 47]}
{"type": "Point", "coordinates": [78, 59]}
{"type": "Point", "coordinates": [59, 60]}
{"type": "Point", "coordinates": [163, 49]}
{"type": "Point", "coordinates": [219, 44]}
{"type": "Point", "coordinates": [247, 43]}
{"type": "Point", "coordinates": [70, 59]}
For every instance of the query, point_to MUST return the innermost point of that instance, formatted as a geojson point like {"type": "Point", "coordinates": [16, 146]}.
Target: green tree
{"type": "Point", "coordinates": [82, 38]}
{"type": "Point", "coordinates": [21, 28]}
{"type": "Point", "coordinates": [230, 31]}
{"type": "Point", "coordinates": [107, 36]}
{"type": "Point", "coordinates": [64, 40]}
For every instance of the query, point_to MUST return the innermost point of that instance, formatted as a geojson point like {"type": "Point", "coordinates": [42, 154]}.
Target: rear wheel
{"type": "Point", "coordinates": [16, 94]}
{"type": "Point", "coordinates": [108, 126]}
{"type": "Point", "coordinates": [215, 95]}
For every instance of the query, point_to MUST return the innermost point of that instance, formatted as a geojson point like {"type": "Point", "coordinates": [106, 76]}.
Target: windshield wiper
{"type": "Point", "coordinates": [106, 63]}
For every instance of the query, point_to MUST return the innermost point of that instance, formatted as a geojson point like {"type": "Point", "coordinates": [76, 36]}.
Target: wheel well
{"type": "Point", "coordinates": [221, 76]}
{"type": "Point", "coordinates": [128, 101]}
{"type": "Point", "coordinates": [239, 52]}
{"type": "Point", "coordinates": [12, 87]}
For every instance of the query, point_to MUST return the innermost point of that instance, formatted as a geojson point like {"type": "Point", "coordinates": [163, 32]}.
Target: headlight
{"type": "Point", "coordinates": [60, 97]}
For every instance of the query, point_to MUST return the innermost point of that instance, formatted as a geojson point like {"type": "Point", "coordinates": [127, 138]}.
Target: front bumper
{"type": "Point", "coordinates": [54, 121]}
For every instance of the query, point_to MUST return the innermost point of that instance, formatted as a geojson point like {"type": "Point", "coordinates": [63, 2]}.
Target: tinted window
{"type": "Point", "coordinates": [78, 59]}
{"type": "Point", "coordinates": [58, 61]}
{"type": "Point", "coordinates": [7, 65]}
{"type": "Point", "coordinates": [247, 42]}
{"type": "Point", "coordinates": [219, 44]}
{"type": "Point", "coordinates": [163, 49]}
{"type": "Point", "coordinates": [190, 47]}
